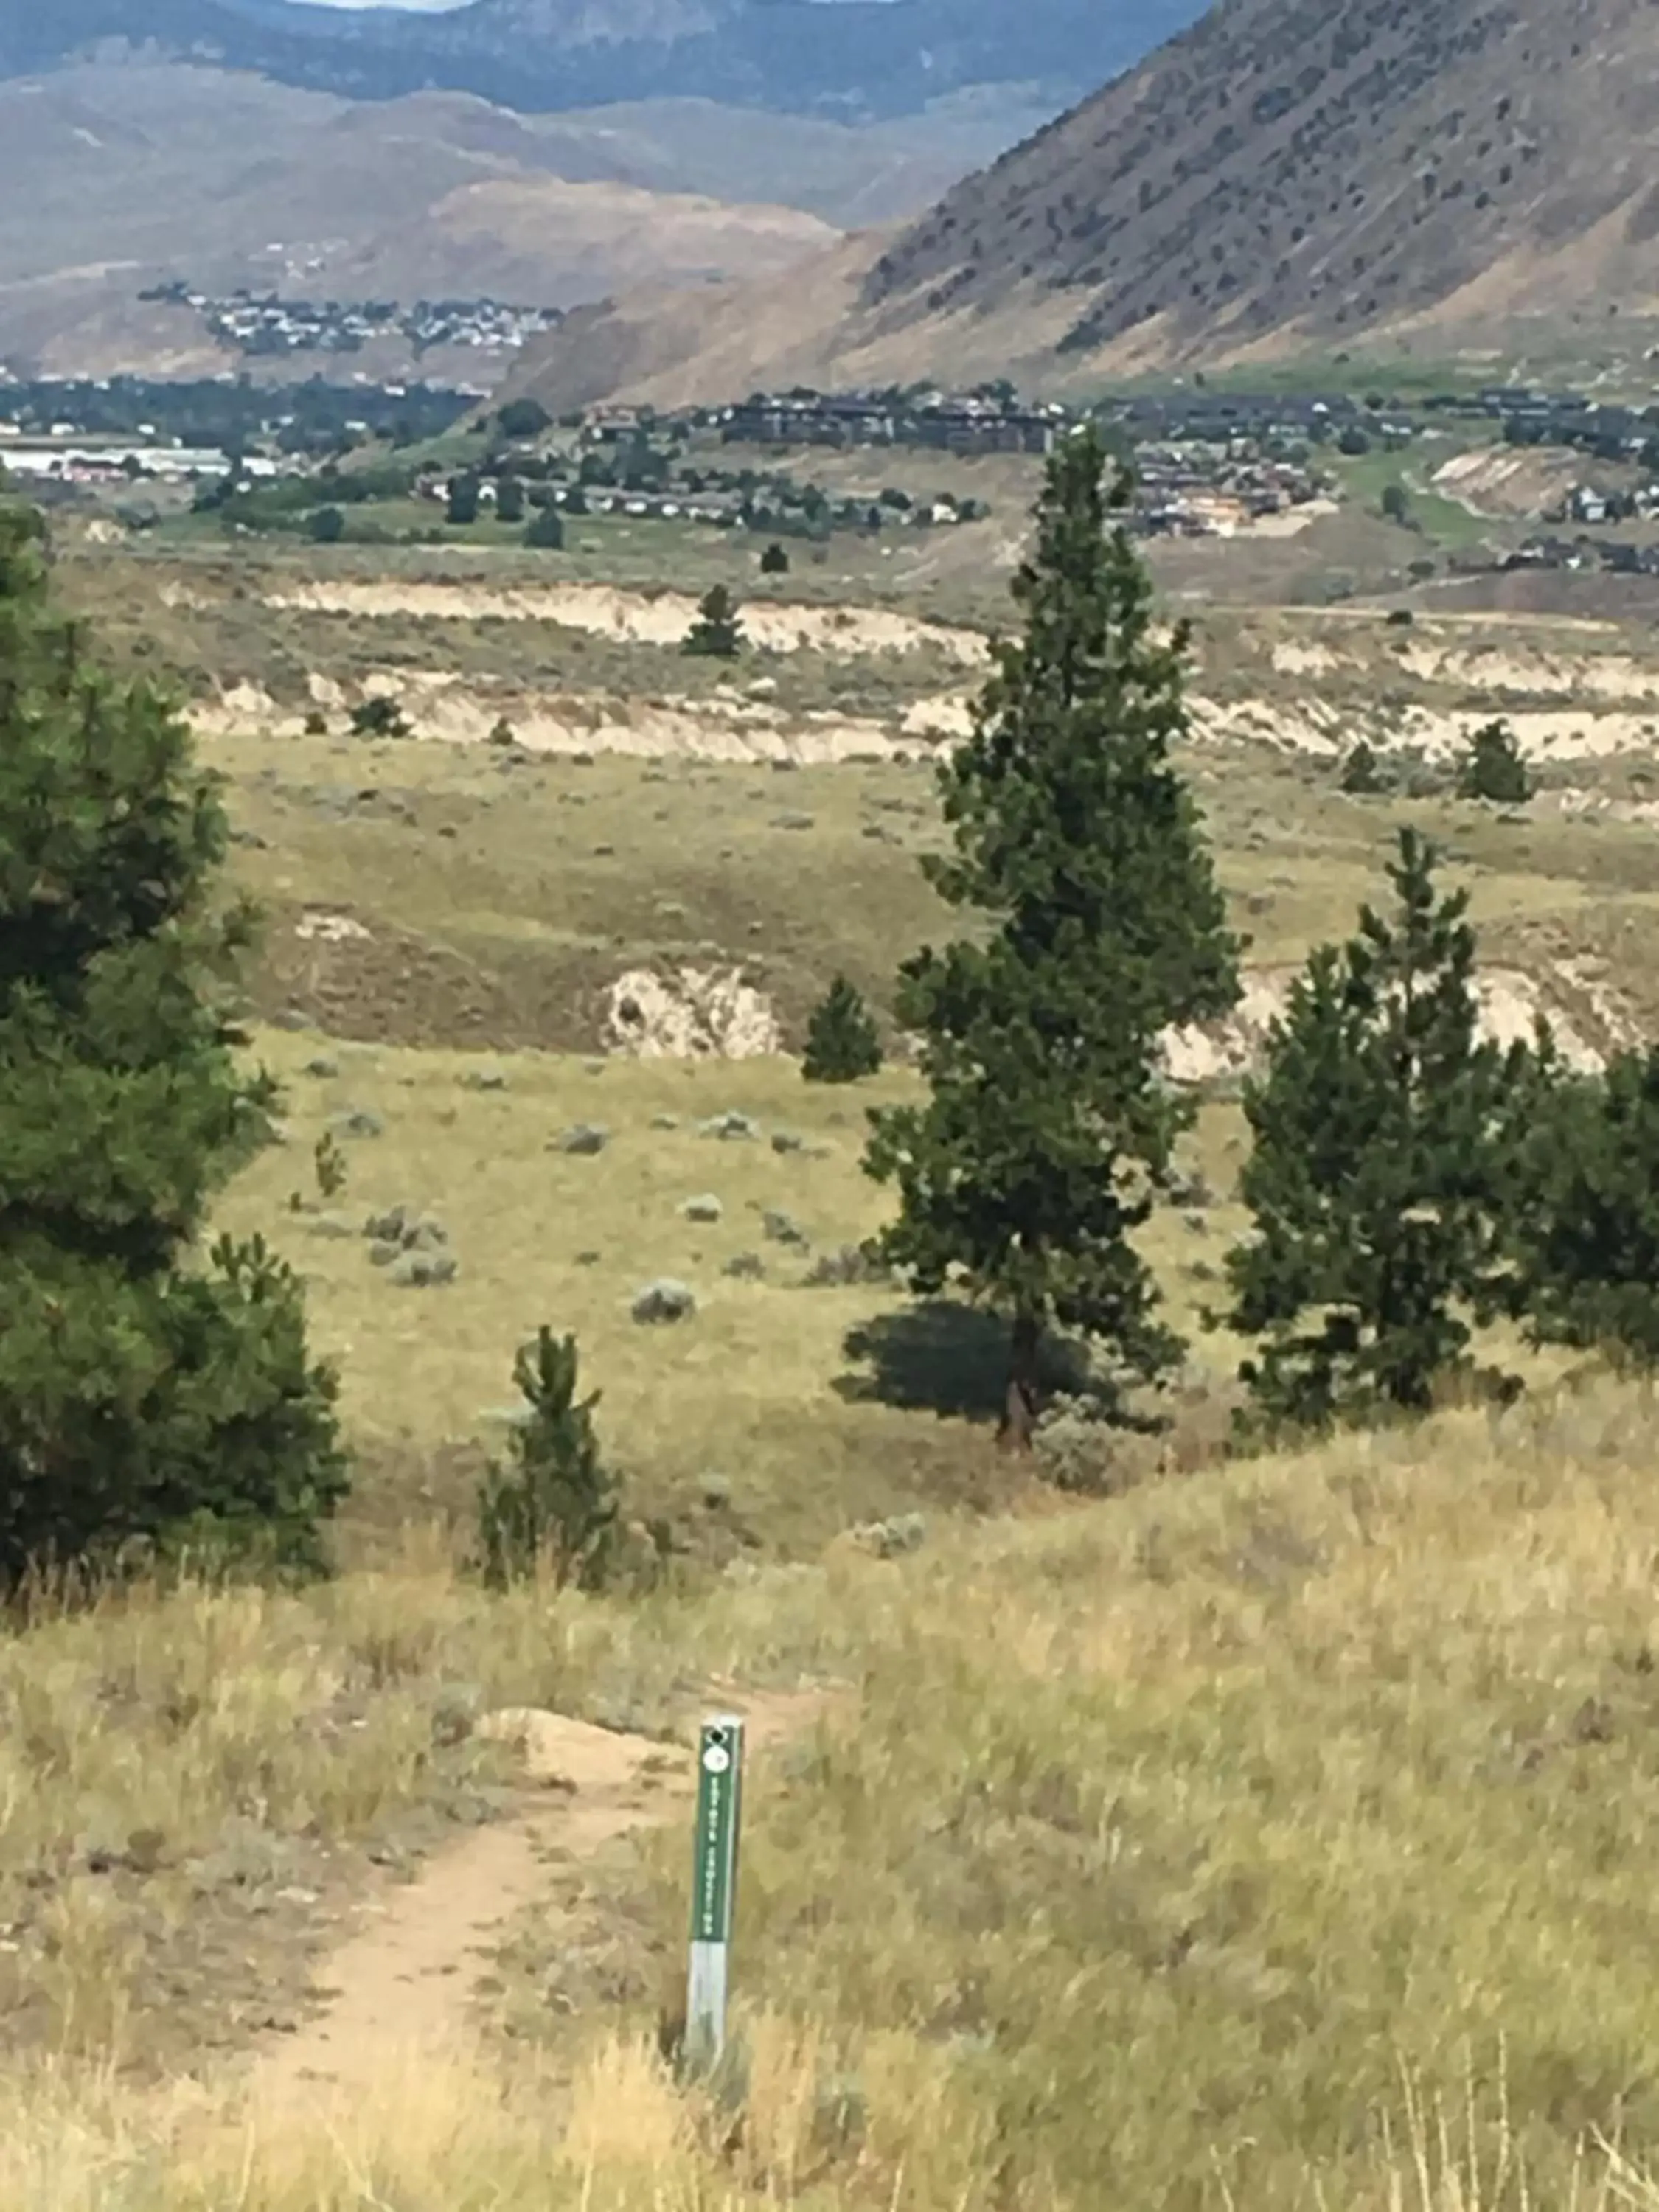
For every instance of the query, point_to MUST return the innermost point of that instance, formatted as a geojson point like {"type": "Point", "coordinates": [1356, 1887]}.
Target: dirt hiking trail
{"type": "Point", "coordinates": [403, 1984]}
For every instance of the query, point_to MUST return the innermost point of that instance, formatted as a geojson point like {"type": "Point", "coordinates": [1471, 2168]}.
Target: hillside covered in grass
{"type": "Point", "coordinates": [1219, 1844]}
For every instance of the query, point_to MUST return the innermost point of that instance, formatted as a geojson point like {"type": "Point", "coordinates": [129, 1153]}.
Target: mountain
{"type": "Point", "coordinates": [114, 178]}
{"type": "Point", "coordinates": [1283, 175]}
{"type": "Point", "coordinates": [852, 59]}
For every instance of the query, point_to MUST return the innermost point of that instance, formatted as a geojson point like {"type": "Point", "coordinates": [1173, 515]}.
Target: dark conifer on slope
{"type": "Point", "coordinates": [1048, 1127]}
{"type": "Point", "coordinates": [140, 1395]}
{"type": "Point", "coordinates": [1382, 1169]}
{"type": "Point", "coordinates": [842, 1040]}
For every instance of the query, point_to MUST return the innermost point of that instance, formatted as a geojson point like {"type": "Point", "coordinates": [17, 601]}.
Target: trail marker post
{"type": "Point", "coordinates": [713, 1885]}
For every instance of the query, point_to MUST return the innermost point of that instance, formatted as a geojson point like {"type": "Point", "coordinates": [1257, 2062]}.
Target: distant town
{"type": "Point", "coordinates": [262, 325]}
{"type": "Point", "coordinates": [418, 462]}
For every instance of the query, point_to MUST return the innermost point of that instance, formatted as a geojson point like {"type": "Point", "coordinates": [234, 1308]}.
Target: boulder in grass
{"type": "Point", "coordinates": [733, 1128]}
{"type": "Point", "coordinates": [663, 1302]}
{"type": "Point", "coordinates": [785, 1141]}
{"type": "Point", "coordinates": [332, 1225]}
{"type": "Point", "coordinates": [746, 1267]}
{"type": "Point", "coordinates": [892, 1539]}
{"type": "Point", "coordinates": [322, 1067]}
{"type": "Point", "coordinates": [422, 1271]}
{"type": "Point", "coordinates": [484, 1079]}
{"type": "Point", "coordinates": [585, 1138]}
{"type": "Point", "coordinates": [359, 1122]}
{"type": "Point", "coordinates": [783, 1228]}
{"type": "Point", "coordinates": [705, 1208]}
{"type": "Point", "coordinates": [665, 1121]}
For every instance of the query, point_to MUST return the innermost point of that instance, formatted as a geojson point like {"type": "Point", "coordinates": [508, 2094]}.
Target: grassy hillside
{"type": "Point", "coordinates": [1243, 1841]}
{"type": "Point", "coordinates": [1260, 1834]}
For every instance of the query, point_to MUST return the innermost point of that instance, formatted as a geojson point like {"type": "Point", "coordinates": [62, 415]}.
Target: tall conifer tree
{"type": "Point", "coordinates": [1049, 1126]}
{"type": "Point", "coordinates": [141, 1393]}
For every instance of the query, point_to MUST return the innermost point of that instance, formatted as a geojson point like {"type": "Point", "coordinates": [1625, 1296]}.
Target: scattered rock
{"type": "Point", "coordinates": [663, 1301]}
{"type": "Point", "coordinates": [746, 1267]}
{"type": "Point", "coordinates": [420, 1270]}
{"type": "Point", "coordinates": [403, 1228]}
{"type": "Point", "coordinates": [291, 1018]}
{"type": "Point", "coordinates": [665, 1121]}
{"type": "Point", "coordinates": [783, 1227]}
{"type": "Point", "coordinates": [784, 1140]}
{"type": "Point", "coordinates": [332, 1225]}
{"type": "Point", "coordinates": [604, 852]}
{"type": "Point", "coordinates": [731, 1128]}
{"type": "Point", "coordinates": [890, 1540]}
{"type": "Point", "coordinates": [705, 1207]}
{"type": "Point", "coordinates": [716, 1492]}
{"type": "Point", "coordinates": [585, 1138]}
{"type": "Point", "coordinates": [794, 820]}
{"type": "Point", "coordinates": [484, 1079]}
{"type": "Point", "coordinates": [587, 1259]}
{"type": "Point", "coordinates": [321, 1067]}
{"type": "Point", "coordinates": [359, 1122]}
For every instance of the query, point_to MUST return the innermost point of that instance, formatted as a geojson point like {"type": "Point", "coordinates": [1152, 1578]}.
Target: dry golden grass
{"type": "Point", "coordinates": [1201, 1848]}
{"type": "Point", "coordinates": [746, 1389]}
{"type": "Point", "coordinates": [1276, 1837]}
{"type": "Point", "coordinates": [1173, 1835]}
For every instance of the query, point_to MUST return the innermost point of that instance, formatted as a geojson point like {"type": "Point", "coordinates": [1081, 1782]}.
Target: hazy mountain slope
{"type": "Point", "coordinates": [1287, 173]}
{"type": "Point", "coordinates": [111, 177]}
{"type": "Point", "coordinates": [853, 58]}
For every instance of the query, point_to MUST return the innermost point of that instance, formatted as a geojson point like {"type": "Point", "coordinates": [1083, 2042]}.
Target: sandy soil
{"type": "Point", "coordinates": [1510, 1004]}
{"type": "Point", "coordinates": [447, 709]}
{"type": "Point", "coordinates": [640, 617]}
{"type": "Point", "coordinates": [404, 1983]}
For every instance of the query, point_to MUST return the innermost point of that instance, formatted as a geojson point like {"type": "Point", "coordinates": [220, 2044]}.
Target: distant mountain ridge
{"type": "Point", "coordinates": [853, 59]}
{"type": "Point", "coordinates": [1283, 176]}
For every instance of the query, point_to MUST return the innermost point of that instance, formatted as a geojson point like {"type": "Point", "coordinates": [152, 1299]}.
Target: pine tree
{"type": "Point", "coordinates": [555, 1502]}
{"type": "Point", "coordinates": [1493, 767]}
{"type": "Point", "coordinates": [1362, 773]}
{"type": "Point", "coordinates": [1049, 1127]}
{"type": "Point", "coordinates": [843, 1043]}
{"type": "Point", "coordinates": [1587, 1211]}
{"type": "Point", "coordinates": [1380, 1171]}
{"type": "Point", "coordinates": [717, 633]}
{"type": "Point", "coordinates": [141, 1394]}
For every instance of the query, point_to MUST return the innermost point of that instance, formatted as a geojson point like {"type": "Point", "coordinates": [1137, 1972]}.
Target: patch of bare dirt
{"type": "Point", "coordinates": [638, 617]}
{"type": "Point", "coordinates": [1589, 1019]}
{"type": "Point", "coordinates": [404, 1983]}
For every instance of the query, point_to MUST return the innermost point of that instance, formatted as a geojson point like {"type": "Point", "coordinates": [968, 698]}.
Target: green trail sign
{"type": "Point", "coordinates": [714, 1883]}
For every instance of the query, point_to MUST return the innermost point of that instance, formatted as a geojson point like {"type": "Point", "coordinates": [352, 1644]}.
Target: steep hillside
{"type": "Point", "coordinates": [1320, 165]}
{"type": "Point", "coordinates": [1288, 172]}
{"type": "Point", "coordinates": [856, 58]}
